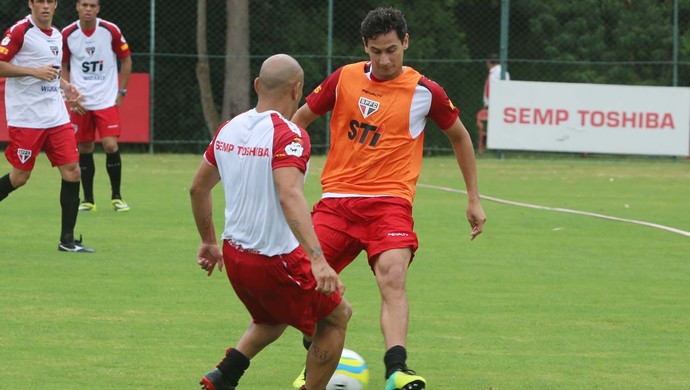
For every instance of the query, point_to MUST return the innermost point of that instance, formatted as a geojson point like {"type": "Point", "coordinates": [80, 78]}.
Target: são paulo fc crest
{"type": "Point", "coordinates": [368, 107]}
{"type": "Point", "coordinates": [55, 50]}
{"type": "Point", "coordinates": [90, 51]}
{"type": "Point", "coordinates": [295, 148]}
{"type": "Point", "coordinates": [23, 154]}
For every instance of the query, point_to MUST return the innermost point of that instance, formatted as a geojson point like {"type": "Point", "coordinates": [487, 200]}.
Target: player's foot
{"type": "Point", "coordinates": [87, 206]}
{"type": "Point", "coordinates": [301, 379]}
{"type": "Point", "coordinates": [74, 246]}
{"type": "Point", "coordinates": [119, 205]}
{"type": "Point", "coordinates": [405, 380]}
{"type": "Point", "coordinates": [213, 380]}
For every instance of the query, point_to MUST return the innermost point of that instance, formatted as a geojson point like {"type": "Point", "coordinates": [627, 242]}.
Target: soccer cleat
{"type": "Point", "coordinates": [119, 205]}
{"type": "Point", "coordinates": [301, 379]}
{"type": "Point", "coordinates": [213, 380]}
{"type": "Point", "coordinates": [87, 206]}
{"type": "Point", "coordinates": [74, 246]}
{"type": "Point", "coordinates": [405, 380]}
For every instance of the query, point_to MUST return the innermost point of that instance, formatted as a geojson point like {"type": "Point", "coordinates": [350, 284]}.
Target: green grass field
{"type": "Point", "coordinates": [541, 300]}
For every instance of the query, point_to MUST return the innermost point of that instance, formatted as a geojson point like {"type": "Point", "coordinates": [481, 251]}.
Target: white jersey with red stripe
{"type": "Point", "coordinates": [92, 57]}
{"type": "Point", "coordinates": [246, 150]}
{"type": "Point", "coordinates": [31, 102]}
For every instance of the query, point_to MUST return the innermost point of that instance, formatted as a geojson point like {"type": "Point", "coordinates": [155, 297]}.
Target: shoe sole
{"type": "Point", "coordinates": [206, 384]}
{"type": "Point", "coordinates": [414, 385]}
{"type": "Point", "coordinates": [80, 250]}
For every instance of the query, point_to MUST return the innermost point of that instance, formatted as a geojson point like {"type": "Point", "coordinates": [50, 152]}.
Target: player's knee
{"type": "Point", "coordinates": [18, 179]}
{"type": "Point", "coordinates": [110, 147]}
{"type": "Point", "coordinates": [338, 317]}
{"type": "Point", "coordinates": [70, 172]}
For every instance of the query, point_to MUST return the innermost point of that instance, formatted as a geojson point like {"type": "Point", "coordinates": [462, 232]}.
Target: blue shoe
{"type": "Point", "coordinates": [405, 380]}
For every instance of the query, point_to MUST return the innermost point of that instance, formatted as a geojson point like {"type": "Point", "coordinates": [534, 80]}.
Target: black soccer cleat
{"type": "Point", "coordinates": [213, 380]}
{"type": "Point", "coordinates": [74, 246]}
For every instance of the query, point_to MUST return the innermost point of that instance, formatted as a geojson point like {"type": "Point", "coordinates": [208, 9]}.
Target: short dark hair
{"type": "Point", "coordinates": [382, 21]}
{"type": "Point", "coordinates": [493, 58]}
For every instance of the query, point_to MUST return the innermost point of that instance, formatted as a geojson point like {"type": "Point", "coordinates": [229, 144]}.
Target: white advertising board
{"type": "Point", "coordinates": [589, 118]}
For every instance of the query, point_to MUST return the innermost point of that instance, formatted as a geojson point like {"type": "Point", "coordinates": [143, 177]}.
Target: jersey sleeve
{"type": "Point", "coordinates": [291, 145]}
{"type": "Point", "coordinates": [322, 99]}
{"type": "Point", "coordinates": [12, 42]}
{"type": "Point", "coordinates": [442, 110]}
{"type": "Point", "coordinates": [209, 154]}
{"type": "Point", "coordinates": [119, 44]}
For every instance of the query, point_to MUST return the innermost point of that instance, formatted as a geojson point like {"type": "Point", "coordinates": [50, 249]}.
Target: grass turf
{"type": "Point", "coordinates": [541, 300]}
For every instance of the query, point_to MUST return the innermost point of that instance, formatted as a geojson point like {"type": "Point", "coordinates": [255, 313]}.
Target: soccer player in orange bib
{"type": "Point", "coordinates": [379, 111]}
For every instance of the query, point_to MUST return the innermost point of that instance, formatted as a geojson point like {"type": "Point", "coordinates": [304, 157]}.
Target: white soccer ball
{"type": "Point", "coordinates": [352, 373]}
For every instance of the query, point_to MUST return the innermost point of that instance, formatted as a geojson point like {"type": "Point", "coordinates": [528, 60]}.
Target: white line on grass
{"type": "Point", "coordinates": [562, 210]}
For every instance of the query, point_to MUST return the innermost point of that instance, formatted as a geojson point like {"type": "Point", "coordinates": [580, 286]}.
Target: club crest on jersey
{"type": "Point", "coordinates": [90, 51]}
{"type": "Point", "coordinates": [5, 41]}
{"type": "Point", "coordinates": [368, 107]}
{"type": "Point", "coordinates": [295, 148]}
{"type": "Point", "coordinates": [23, 154]}
{"type": "Point", "coordinates": [55, 50]}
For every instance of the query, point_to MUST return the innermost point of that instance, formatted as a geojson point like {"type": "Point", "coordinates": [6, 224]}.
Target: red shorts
{"type": "Point", "coordinates": [279, 289]}
{"type": "Point", "coordinates": [346, 226]}
{"type": "Point", "coordinates": [57, 142]}
{"type": "Point", "coordinates": [106, 121]}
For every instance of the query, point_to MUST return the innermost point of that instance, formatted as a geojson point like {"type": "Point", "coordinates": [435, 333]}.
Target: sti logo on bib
{"type": "Point", "coordinates": [367, 107]}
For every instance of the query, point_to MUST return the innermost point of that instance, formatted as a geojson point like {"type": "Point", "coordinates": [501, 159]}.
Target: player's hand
{"type": "Point", "coordinates": [208, 256]}
{"type": "Point", "coordinates": [476, 217]}
{"type": "Point", "coordinates": [71, 93]}
{"type": "Point", "coordinates": [47, 73]}
{"type": "Point", "coordinates": [76, 107]}
{"type": "Point", "coordinates": [327, 280]}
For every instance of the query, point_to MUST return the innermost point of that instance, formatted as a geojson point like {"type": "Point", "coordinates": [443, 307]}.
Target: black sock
{"type": "Point", "coordinates": [394, 359]}
{"type": "Point", "coordinates": [69, 201]}
{"type": "Point", "coordinates": [306, 343]}
{"type": "Point", "coordinates": [233, 366]}
{"type": "Point", "coordinates": [113, 164]}
{"type": "Point", "coordinates": [5, 186]}
{"type": "Point", "coordinates": [88, 170]}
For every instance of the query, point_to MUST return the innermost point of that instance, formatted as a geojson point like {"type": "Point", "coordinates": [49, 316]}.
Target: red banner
{"type": "Point", "coordinates": [134, 111]}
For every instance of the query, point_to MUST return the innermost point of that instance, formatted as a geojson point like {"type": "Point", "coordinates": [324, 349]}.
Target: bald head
{"type": "Point", "coordinates": [279, 74]}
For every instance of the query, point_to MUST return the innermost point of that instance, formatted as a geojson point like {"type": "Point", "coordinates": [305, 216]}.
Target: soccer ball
{"type": "Point", "coordinates": [352, 373]}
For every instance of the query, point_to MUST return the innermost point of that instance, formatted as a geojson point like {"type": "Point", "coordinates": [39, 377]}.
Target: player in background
{"type": "Point", "coordinates": [270, 251]}
{"type": "Point", "coordinates": [37, 119]}
{"type": "Point", "coordinates": [493, 66]}
{"type": "Point", "coordinates": [379, 111]}
{"type": "Point", "coordinates": [93, 47]}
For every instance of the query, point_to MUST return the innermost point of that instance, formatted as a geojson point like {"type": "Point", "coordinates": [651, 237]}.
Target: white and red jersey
{"type": "Point", "coordinates": [246, 150]}
{"type": "Point", "coordinates": [92, 57]}
{"type": "Point", "coordinates": [494, 74]}
{"type": "Point", "coordinates": [31, 102]}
